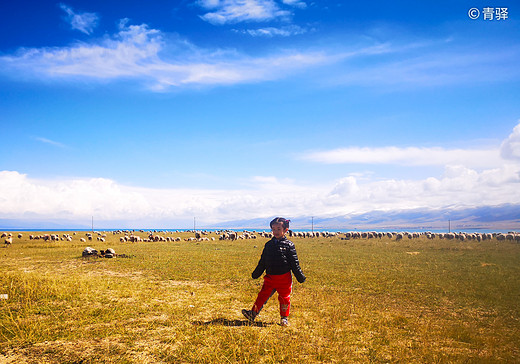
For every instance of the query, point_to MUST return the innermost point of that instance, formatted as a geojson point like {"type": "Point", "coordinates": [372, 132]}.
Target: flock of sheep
{"type": "Point", "coordinates": [511, 236]}
{"type": "Point", "coordinates": [162, 236]}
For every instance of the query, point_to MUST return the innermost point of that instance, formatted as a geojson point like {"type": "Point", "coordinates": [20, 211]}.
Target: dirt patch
{"type": "Point", "coordinates": [65, 351]}
{"type": "Point", "coordinates": [111, 273]}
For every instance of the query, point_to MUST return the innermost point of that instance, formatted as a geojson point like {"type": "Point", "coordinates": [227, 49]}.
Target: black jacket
{"type": "Point", "coordinates": [279, 257]}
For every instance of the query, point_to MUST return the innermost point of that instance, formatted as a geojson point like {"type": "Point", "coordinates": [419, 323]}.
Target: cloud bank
{"type": "Point", "coordinates": [264, 196]}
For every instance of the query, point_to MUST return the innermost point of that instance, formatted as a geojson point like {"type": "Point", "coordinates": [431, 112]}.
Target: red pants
{"type": "Point", "coordinates": [281, 283]}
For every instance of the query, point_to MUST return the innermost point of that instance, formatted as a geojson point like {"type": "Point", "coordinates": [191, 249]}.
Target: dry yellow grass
{"type": "Point", "coordinates": [378, 300]}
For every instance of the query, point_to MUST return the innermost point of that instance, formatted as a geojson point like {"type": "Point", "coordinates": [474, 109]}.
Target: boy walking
{"type": "Point", "coordinates": [278, 259]}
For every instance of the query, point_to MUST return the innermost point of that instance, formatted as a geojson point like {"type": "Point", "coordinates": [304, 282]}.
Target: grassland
{"type": "Point", "coordinates": [365, 301]}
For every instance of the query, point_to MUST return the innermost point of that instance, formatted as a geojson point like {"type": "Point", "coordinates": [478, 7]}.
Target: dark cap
{"type": "Point", "coordinates": [280, 220]}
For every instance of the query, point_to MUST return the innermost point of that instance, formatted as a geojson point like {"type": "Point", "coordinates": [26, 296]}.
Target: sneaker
{"type": "Point", "coordinates": [249, 314]}
{"type": "Point", "coordinates": [284, 321]}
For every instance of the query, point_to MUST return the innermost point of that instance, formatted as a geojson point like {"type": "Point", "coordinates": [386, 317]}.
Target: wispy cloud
{"type": "Point", "coordinates": [285, 31]}
{"type": "Point", "coordinates": [508, 152]}
{"type": "Point", "coordinates": [50, 142]}
{"type": "Point", "coordinates": [84, 22]}
{"type": "Point", "coordinates": [430, 65]}
{"type": "Point", "coordinates": [295, 3]}
{"type": "Point", "coordinates": [163, 62]}
{"type": "Point", "coordinates": [411, 156]}
{"type": "Point", "coordinates": [236, 11]}
{"type": "Point", "coordinates": [135, 53]}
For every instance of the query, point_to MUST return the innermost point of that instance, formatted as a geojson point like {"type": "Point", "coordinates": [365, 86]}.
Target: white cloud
{"type": "Point", "coordinates": [296, 3]}
{"type": "Point", "coordinates": [235, 11]}
{"type": "Point", "coordinates": [285, 31]}
{"type": "Point", "coordinates": [85, 22]}
{"type": "Point", "coordinates": [488, 159]}
{"type": "Point", "coordinates": [459, 187]}
{"type": "Point", "coordinates": [51, 142]}
{"type": "Point", "coordinates": [79, 199]}
{"type": "Point", "coordinates": [411, 156]}
{"type": "Point", "coordinates": [163, 61]}
{"type": "Point", "coordinates": [265, 196]}
{"type": "Point", "coordinates": [136, 52]}
{"type": "Point", "coordinates": [510, 148]}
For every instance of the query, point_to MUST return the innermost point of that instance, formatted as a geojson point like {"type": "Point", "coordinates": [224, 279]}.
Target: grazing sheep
{"type": "Point", "coordinates": [8, 241]}
{"type": "Point", "coordinates": [110, 253]}
{"type": "Point", "coordinates": [88, 251]}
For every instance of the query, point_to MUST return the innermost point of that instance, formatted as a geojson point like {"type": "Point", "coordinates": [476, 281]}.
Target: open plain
{"type": "Point", "coordinates": [377, 300]}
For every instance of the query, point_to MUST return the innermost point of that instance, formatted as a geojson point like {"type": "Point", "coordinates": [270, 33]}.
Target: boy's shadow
{"type": "Point", "coordinates": [226, 322]}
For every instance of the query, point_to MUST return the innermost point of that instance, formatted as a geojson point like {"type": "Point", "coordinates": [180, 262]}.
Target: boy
{"type": "Point", "coordinates": [278, 259]}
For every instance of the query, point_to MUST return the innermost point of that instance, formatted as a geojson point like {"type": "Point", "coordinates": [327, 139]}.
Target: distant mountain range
{"type": "Point", "coordinates": [500, 217]}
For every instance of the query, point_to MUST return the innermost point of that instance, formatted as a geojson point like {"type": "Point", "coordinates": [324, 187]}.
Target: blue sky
{"type": "Point", "coordinates": [150, 115]}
